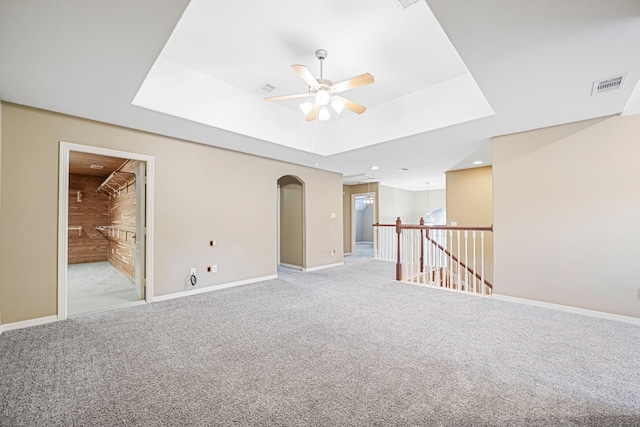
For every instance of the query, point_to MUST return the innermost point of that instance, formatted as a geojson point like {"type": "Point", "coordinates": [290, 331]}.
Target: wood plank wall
{"type": "Point", "coordinates": [122, 213]}
{"type": "Point", "coordinates": [91, 212]}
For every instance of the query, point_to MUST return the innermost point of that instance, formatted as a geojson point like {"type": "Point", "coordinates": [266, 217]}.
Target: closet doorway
{"type": "Point", "coordinates": [104, 229]}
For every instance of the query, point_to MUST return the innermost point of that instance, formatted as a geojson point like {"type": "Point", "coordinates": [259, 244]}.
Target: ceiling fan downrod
{"type": "Point", "coordinates": [321, 54]}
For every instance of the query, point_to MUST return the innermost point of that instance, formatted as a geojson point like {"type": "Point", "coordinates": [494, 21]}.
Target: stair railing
{"type": "Point", "coordinates": [437, 256]}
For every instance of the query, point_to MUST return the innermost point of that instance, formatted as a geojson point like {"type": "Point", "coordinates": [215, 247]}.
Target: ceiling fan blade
{"type": "Point", "coordinates": [352, 83]}
{"type": "Point", "coordinates": [306, 75]}
{"type": "Point", "coordinates": [283, 97]}
{"type": "Point", "coordinates": [353, 106]}
{"type": "Point", "coordinates": [313, 113]}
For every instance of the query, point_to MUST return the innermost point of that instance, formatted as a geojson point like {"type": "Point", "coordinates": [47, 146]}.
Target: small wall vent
{"type": "Point", "coordinates": [407, 3]}
{"type": "Point", "coordinates": [607, 85]}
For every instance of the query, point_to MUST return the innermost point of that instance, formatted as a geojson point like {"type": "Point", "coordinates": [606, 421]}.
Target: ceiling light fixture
{"type": "Point", "coordinates": [375, 168]}
{"type": "Point", "coordinates": [324, 114]}
{"type": "Point", "coordinates": [323, 97]}
{"type": "Point", "coordinates": [324, 92]}
{"type": "Point", "coordinates": [477, 162]}
{"type": "Point", "coordinates": [368, 200]}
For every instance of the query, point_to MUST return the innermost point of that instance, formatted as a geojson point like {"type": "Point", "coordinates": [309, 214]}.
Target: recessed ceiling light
{"type": "Point", "coordinates": [96, 166]}
{"type": "Point", "coordinates": [477, 162]}
{"type": "Point", "coordinates": [374, 168]}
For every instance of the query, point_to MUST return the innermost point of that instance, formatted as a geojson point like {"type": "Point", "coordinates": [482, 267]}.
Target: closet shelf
{"type": "Point", "coordinates": [116, 182]}
{"type": "Point", "coordinates": [115, 230]}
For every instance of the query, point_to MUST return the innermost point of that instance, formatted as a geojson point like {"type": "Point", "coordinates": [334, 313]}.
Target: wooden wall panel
{"type": "Point", "coordinates": [91, 212]}
{"type": "Point", "coordinates": [122, 244]}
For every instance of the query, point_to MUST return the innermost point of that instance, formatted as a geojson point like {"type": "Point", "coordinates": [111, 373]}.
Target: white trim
{"type": "Point", "coordinates": [29, 323]}
{"type": "Point", "coordinates": [213, 288]}
{"type": "Point", "coordinates": [1, 329]}
{"type": "Point", "coordinates": [322, 267]}
{"type": "Point", "coordinates": [291, 266]}
{"type": "Point", "coordinates": [105, 309]}
{"type": "Point", "coordinates": [569, 309]}
{"type": "Point", "coordinates": [63, 216]}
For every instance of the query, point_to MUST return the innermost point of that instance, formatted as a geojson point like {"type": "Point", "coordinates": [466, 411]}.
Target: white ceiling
{"type": "Point", "coordinates": [535, 63]}
{"type": "Point", "coordinates": [412, 94]}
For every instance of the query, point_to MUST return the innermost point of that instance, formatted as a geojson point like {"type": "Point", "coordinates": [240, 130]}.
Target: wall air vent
{"type": "Point", "coordinates": [607, 85]}
{"type": "Point", "coordinates": [406, 3]}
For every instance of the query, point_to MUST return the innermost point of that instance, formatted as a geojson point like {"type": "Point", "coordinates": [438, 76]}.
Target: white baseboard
{"type": "Point", "coordinates": [291, 266]}
{"type": "Point", "coordinates": [569, 309]}
{"type": "Point", "coordinates": [28, 323]}
{"type": "Point", "coordinates": [212, 288]}
{"type": "Point", "coordinates": [322, 267]}
{"type": "Point", "coordinates": [110, 308]}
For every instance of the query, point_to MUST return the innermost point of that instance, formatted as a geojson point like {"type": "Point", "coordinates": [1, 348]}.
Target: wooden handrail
{"type": "Point", "coordinates": [434, 227]}
{"type": "Point", "coordinates": [469, 269]}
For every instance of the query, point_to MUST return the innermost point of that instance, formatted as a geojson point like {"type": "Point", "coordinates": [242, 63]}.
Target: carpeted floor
{"type": "Point", "coordinates": [96, 286]}
{"type": "Point", "coordinates": [345, 346]}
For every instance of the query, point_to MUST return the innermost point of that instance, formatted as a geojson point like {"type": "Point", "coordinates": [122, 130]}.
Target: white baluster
{"type": "Point", "coordinates": [483, 286]}
{"type": "Point", "coordinates": [459, 273]}
{"type": "Point", "coordinates": [473, 237]}
{"type": "Point", "coordinates": [466, 260]}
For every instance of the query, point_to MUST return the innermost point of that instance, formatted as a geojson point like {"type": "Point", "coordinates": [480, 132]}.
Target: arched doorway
{"type": "Point", "coordinates": [291, 223]}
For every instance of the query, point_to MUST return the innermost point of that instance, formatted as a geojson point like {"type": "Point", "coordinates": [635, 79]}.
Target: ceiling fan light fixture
{"type": "Point", "coordinates": [324, 114]}
{"type": "Point", "coordinates": [322, 97]}
{"type": "Point", "coordinates": [306, 107]}
{"type": "Point", "coordinates": [337, 104]}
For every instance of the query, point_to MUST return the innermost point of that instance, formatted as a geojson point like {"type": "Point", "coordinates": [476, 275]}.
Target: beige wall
{"type": "Point", "coordinates": [436, 200]}
{"type": "Point", "coordinates": [291, 222]}
{"type": "Point", "coordinates": [394, 203]}
{"type": "Point", "coordinates": [566, 209]}
{"type": "Point", "coordinates": [469, 197]}
{"type": "Point", "coordinates": [347, 213]}
{"type": "Point", "coordinates": [470, 204]}
{"type": "Point", "coordinates": [201, 193]}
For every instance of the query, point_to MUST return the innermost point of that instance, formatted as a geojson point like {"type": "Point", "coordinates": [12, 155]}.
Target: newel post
{"type": "Point", "coordinates": [398, 264]}
{"type": "Point", "coordinates": [421, 246]}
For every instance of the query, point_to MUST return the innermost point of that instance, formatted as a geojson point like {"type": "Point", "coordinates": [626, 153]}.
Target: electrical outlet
{"type": "Point", "coordinates": [333, 252]}
{"type": "Point", "coordinates": [214, 268]}
{"type": "Point", "coordinates": [193, 271]}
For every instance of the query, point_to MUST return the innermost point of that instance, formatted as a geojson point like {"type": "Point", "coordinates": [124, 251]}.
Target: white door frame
{"type": "Point", "coordinates": [353, 215]}
{"type": "Point", "coordinates": [63, 216]}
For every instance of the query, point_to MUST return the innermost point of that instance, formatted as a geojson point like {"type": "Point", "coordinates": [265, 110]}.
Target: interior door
{"type": "Point", "coordinates": [141, 228]}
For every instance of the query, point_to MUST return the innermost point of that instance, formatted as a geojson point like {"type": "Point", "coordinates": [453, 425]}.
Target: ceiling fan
{"type": "Point", "coordinates": [324, 92]}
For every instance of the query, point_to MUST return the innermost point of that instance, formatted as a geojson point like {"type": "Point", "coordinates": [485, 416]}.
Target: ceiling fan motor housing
{"type": "Point", "coordinates": [321, 54]}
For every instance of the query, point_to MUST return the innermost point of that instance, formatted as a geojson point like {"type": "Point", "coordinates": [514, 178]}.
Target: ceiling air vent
{"type": "Point", "coordinates": [266, 88]}
{"type": "Point", "coordinates": [406, 3]}
{"type": "Point", "coordinates": [606, 85]}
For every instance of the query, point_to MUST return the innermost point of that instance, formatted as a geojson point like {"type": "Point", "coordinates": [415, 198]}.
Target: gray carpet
{"type": "Point", "coordinates": [95, 286]}
{"type": "Point", "coordinates": [346, 346]}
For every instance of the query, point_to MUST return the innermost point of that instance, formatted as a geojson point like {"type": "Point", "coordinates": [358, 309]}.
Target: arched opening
{"type": "Point", "coordinates": [291, 223]}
